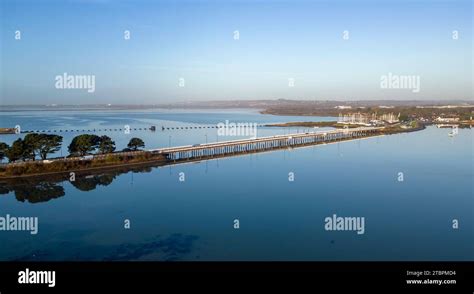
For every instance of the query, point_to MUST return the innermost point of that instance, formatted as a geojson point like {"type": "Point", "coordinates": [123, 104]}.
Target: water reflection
{"type": "Point", "coordinates": [40, 192]}
{"type": "Point", "coordinates": [91, 182]}
{"type": "Point", "coordinates": [42, 189]}
{"type": "Point", "coordinates": [169, 248]}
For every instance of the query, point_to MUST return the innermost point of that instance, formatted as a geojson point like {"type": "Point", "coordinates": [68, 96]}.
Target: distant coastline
{"type": "Point", "coordinates": [103, 161]}
{"type": "Point", "coordinates": [407, 117]}
{"type": "Point", "coordinates": [283, 107]}
{"type": "Point", "coordinates": [263, 105]}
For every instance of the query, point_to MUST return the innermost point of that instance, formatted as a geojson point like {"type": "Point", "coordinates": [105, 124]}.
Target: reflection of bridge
{"type": "Point", "coordinates": [262, 144]}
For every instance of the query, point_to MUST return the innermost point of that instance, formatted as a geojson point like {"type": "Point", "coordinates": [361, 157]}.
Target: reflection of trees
{"type": "Point", "coordinates": [42, 189]}
{"type": "Point", "coordinates": [4, 190]}
{"type": "Point", "coordinates": [32, 190]}
{"type": "Point", "coordinates": [142, 169]}
{"type": "Point", "coordinates": [42, 192]}
{"type": "Point", "coordinates": [91, 182]}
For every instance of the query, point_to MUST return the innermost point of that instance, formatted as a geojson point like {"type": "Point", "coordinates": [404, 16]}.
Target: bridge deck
{"type": "Point", "coordinates": [262, 143]}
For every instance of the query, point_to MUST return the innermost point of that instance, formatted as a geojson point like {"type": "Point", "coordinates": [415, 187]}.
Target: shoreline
{"type": "Point", "coordinates": [112, 167]}
{"type": "Point", "coordinates": [322, 124]}
{"type": "Point", "coordinates": [335, 124]}
{"type": "Point", "coordinates": [164, 163]}
{"type": "Point", "coordinates": [113, 161]}
{"type": "Point", "coordinates": [161, 161]}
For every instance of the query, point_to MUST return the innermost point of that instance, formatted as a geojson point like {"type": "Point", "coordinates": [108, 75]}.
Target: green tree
{"type": "Point", "coordinates": [135, 144]}
{"type": "Point", "coordinates": [16, 151]}
{"type": "Point", "coordinates": [41, 144]}
{"type": "Point", "coordinates": [106, 145]}
{"type": "Point", "coordinates": [3, 149]}
{"type": "Point", "coordinates": [48, 144]}
{"type": "Point", "coordinates": [30, 145]}
{"type": "Point", "coordinates": [83, 144]}
{"type": "Point", "coordinates": [403, 117]}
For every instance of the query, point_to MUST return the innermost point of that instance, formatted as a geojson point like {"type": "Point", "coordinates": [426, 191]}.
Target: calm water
{"type": "Point", "coordinates": [279, 219]}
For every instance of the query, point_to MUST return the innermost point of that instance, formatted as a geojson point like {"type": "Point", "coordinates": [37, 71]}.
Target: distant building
{"type": "Point", "coordinates": [353, 118]}
{"type": "Point", "coordinates": [7, 131]}
{"type": "Point", "coordinates": [343, 107]}
{"type": "Point", "coordinates": [367, 119]}
{"type": "Point", "coordinates": [447, 119]}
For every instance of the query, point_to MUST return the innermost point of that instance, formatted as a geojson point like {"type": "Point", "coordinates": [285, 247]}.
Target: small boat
{"type": "Point", "coordinates": [451, 134]}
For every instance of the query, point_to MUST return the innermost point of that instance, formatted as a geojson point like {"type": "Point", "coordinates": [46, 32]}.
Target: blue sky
{"type": "Point", "coordinates": [194, 40]}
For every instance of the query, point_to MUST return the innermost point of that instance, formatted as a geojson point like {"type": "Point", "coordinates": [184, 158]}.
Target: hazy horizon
{"type": "Point", "coordinates": [278, 41]}
{"type": "Point", "coordinates": [222, 103]}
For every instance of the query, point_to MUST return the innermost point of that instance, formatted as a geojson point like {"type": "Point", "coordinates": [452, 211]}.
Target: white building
{"type": "Point", "coordinates": [447, 119]}
{"type": "Point", "coordinates": [362, 118]}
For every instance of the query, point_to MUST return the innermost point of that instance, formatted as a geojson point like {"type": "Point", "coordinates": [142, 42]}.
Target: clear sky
{"type": "Point", "coordinates": [194, 40]}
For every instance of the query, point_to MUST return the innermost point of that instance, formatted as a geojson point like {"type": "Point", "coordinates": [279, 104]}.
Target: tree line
{"type": "Point", "coordinates": [35, 145]}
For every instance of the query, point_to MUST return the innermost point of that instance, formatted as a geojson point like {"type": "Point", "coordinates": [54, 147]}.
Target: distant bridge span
{"type": "Point", "coordinates": [252, 145]}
